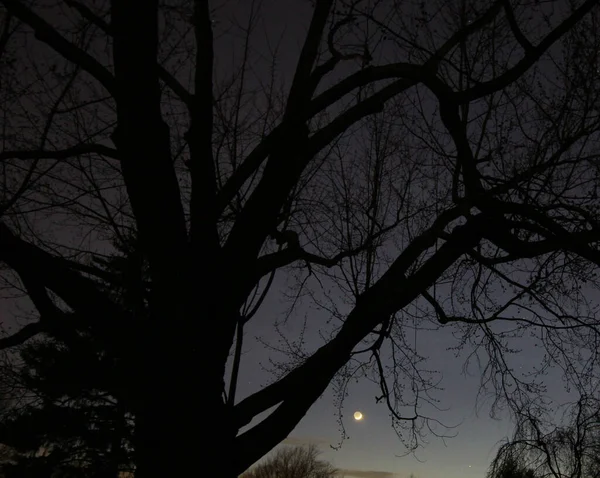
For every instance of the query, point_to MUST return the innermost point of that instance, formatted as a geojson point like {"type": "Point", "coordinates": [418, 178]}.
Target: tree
{"type": "Point", "coordinates": [568, 449]}
{"type": "Point", "coordinates": [430, 165]}
{"type": "Point", "coordinates": [293, 462]}
{"type": "Point", "coordinates": [64, 428]}
{"type": "Point", "coordinates": [509, 466]}
{"type": "Point", "coordinates": [65, 415]}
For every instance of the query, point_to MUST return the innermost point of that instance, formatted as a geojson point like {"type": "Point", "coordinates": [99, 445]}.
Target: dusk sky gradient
{"type": "Point", "coordinates": [373, 450]}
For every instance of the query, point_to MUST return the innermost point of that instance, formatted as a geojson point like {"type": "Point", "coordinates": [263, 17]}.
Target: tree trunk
{"type": "Point", "coordinates": [183, 438]}
{"type": "Point", "coordinates": [182, 423]}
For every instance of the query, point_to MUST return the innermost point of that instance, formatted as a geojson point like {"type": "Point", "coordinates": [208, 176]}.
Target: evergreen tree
{"type": "Point", "coordinates": [68, 415]}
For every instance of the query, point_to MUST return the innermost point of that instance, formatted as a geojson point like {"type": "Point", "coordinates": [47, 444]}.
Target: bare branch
{"type": "Point", "coordinates": [46, 33]}
{"type": "Point", "coordinates": [177, 88]}
{"type": "Point", "coordinates": [248, 167]}
{"type": "Point", "coordinates": [81, 294]}
{"type": "Point", "coordinates": [531, 56]}
{"type": "Point", "coordinates": [512, 21]}
{"type": "Point", "coordinates": [294, 252]}
{"type": "Point", "coordinates": [63, 153]}
{"type": "Point", "coordinates": [23, 335]}
{"type": "Point", "coordinates": [390, 293]}
{"type": "Point", "coordinates": [410, 74]}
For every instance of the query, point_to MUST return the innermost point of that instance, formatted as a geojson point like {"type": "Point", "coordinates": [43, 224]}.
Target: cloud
{"type": "Point", "coordinates": [366, 474]}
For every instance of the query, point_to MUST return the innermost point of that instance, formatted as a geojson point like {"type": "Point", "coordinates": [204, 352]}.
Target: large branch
{"type": "Point", "coordinates": [298, 391]}
{"type": "Point", "coordinates": [361, 78]}
{"type": "Point", "coordinates": [177, 88]}
{"type": "Point", "coordinates": [52, 320]}
{"type": "Point", "coordinates": [532, 55]}
{"type": "Point", "coordinates": [407, 70]}
{"type": "Point", "coordinates": [143, 141]}
{"type": "Point", "coordinates": [258, 217]}
{"type": "Point", "coordinates": [48, 34]}
{"type": "Point", "coordinates": [296, 110]}
{"type": "Point", "coordinates": [371, 105]}
{"type": "Point", "coordinates": [557, 237]}
{"type": "Point", "coordinates": [78, 150]}
{"type": "Point", "coordinates": [457, 128]}
{"type": "Point", "coordinates": [41, 272]}
{"type": "Point", "coordinates": [203, 204]}
{"type": "Point", "coordinates": [301, 89]}
{"type": "Point", "coordinates": [514, 27]}
{"type": "Point", "coordinates": [273, 261]}
{"type": "Point", "coordinates": [248, 167]}
{"type": "Point", "coordinates": [401, 70]}
{"type": "Point", "coordinates": [450, 102]}
{"type": "Point", "coordinates": [23, 335]}
{"type": "Point", "coordinates": [274, 393]}
{"type": "Point", "coordinates": [294, 252]}
{"type": "Point", "coordinates": [260, 153]}
{"type": "Point", "coordinates": [79, 293]}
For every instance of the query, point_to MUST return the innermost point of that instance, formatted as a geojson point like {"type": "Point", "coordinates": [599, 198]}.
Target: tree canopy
{"type": "Point", "coordinates": [293, 462]}
{"type": "Point", "coordinates": [409, 166]}
{"type": "Point", "coordinates": [557, 443]}
{"type": "Point", "coordinates": [509, 466]}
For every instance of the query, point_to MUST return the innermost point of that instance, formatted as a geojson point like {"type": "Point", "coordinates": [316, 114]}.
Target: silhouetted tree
{"type": "Point", "coordinates": [67, 415]}
{"type": "Point", "coordinates": [293, 462]}
{"type": "Point", "coordinates": [509, 466]}
{"type": "Point", "coordinates": [430, 165]}
{"type": "Point", "coordinates": [566, 450]}
{"type": "Point", "coordinates": [65, 427]}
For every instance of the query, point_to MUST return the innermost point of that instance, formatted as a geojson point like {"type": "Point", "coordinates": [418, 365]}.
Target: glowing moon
{"type": "Point", "coordinates": [358, 416]}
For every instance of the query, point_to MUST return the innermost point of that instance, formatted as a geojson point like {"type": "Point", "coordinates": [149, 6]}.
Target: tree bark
{"type": "Point", "coordinates": [182, 423]}
{"type": "Point", "coordinates": [183, 437]}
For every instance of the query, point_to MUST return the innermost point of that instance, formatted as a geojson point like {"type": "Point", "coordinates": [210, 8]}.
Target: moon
{"type": "Point", "coordinates": [358, 416]}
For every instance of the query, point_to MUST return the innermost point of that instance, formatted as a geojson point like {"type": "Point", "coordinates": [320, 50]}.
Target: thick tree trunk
{"type": "Point", "coordinates": [182, 423]}
{"type": "Point", "coordinates": [183, 438]}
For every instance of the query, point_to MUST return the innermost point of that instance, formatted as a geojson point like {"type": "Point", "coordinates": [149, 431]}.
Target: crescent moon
{"type": "Point", "coordinates": [358, 416]}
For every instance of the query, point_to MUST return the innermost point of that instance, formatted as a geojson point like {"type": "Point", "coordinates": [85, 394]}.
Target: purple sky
{"type": "Point", "coordinates": [373, 446]}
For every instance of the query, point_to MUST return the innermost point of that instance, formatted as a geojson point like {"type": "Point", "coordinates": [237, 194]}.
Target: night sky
{"type": "Point", "coordinates": [373, 444]}
{"type": "Point", "coordinates": [372, 450]}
